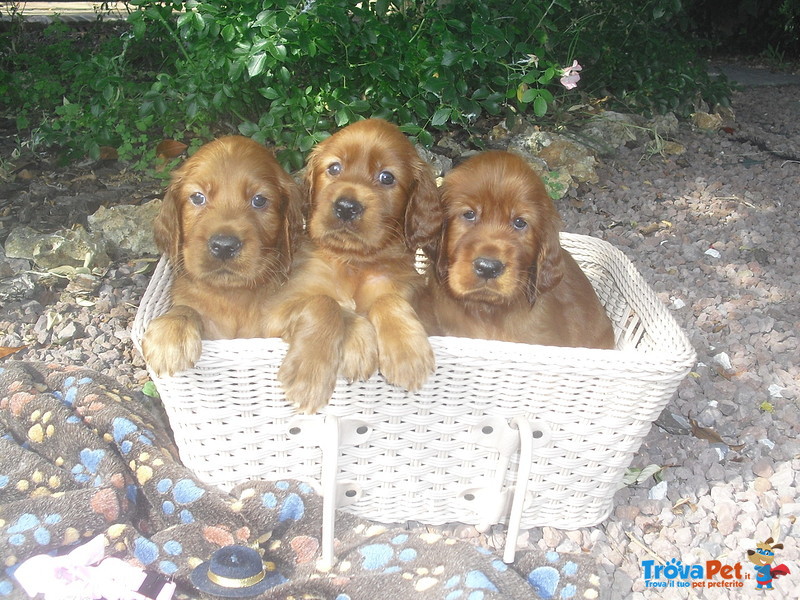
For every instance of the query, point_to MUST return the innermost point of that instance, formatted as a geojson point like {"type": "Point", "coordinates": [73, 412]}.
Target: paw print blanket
{"type": "Point", "coordinates": [81, 457]}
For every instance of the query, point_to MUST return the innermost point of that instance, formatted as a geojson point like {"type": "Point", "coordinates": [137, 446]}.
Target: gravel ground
{"type": "Point", "coordinates": [714, 231]}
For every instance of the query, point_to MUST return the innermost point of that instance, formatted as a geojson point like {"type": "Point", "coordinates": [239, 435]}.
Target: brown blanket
{"type": "Point", "coordinates": [79, 456]}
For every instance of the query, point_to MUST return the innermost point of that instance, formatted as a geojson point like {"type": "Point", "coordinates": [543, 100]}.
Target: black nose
{"type": "Point", "coordinates": [487, 268]}
{"type": "Point", "coordinates": [347, 209]}
{"type": "Point", "coordinates": [224, 246]}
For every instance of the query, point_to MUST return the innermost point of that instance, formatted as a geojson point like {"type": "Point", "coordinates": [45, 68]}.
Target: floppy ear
{"type": "Point", "coordinates": [546, 272]}
{"type": "Point", "coordinates": [307, 191]}
{"type": "Point", "coordinates": [292, 217]}
{"type": "Point", "coordinates": [167, 226]}
{"type": "Point", "coordinates": [437, 254]}
{"type": "Point", "coordinates": [423, 218]}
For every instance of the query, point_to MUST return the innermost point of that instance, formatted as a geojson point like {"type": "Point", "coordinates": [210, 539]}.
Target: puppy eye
{"type": "Point", "coordinates": [335, 169]}
{"type": "Point", "coordinates": [519, 223]}
{"type": "Point", "coordinates": [386, 178]}
{"type": "Point", "coordinates": [470, 215]}
{"type": "Point", "coordinates": [259, 201]}
{"type": "Point", "coordinates": [198, 199]}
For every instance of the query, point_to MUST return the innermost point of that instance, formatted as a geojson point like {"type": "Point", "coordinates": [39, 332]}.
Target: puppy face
{"type": "Point", "coordinates": [229, 215]}
{"type": "Point", "coordinates": [369, 191]}
{"type": "Point", "coordinates": [499, 241]}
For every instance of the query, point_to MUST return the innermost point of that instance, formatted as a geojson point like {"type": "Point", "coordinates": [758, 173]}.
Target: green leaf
{"type": "Point", "coordinates": [441, 116]}
{"type": "Point", "coordinates": [540, 106]}
{"type": "Point", "coordinates": [278, 51]}
{"type": "Point", "coordinates": [529, 95]}
{"type": "Point", "coordinates": [342, 117]}
{"type": "Point", "coordinates": [149, 389]}
{"type": "Point", "coordinates": [228, 32]}
{"type": "Point", "coordinates": [255, 64]}
{"type": "Point", "coordinates": [449, 58]}
{"type": "Point", "coordinates": [270, 93]}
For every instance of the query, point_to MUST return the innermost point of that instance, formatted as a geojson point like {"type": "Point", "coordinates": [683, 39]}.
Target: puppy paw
{"type": "Point", "coordinates": [308, 382]}
{"type": "Point", "coordinates": [360, 351]}
{"type": "Point", "coordinates": [406, 361]}
{"type": "Point", "coordinates": [172, 343]}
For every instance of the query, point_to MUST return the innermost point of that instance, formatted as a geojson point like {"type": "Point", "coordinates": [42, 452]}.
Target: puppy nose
{"type": "Point", "coordinates": [347, 209]}
{"type": "Point", "coordinates": [224, 246]}
{"type": "Point", "coordinates": [487, 268]}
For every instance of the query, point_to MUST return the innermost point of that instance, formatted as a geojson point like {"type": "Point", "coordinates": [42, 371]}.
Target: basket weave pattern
{"type": "Point", "coordinates": [565, 422]}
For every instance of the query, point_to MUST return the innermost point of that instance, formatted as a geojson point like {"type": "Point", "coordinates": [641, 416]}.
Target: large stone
{"type": "Point", "coordinates": [576, 159]}
{"type": "Point", "coordinates": [609, 130]}
{"type": "Point", "coordinates": [68, 247]}
{"type": "Point", "coordinates": [126, 230]}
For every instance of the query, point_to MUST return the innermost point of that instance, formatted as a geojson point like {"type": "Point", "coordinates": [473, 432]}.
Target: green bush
{"type": "Point", "coordinates": [639, 54]}
{"type": "Point", "coordinates": [288, 73]}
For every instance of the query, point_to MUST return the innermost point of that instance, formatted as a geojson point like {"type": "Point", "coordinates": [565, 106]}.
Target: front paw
{"type": "Point", "coordinates": [171, 344]}
{"type": "Point", "coordinates": [308, 381]}
{"type": "Point", "coordinates": [360, 351]}
{"type": "Point", "coordinates": [406, 361]}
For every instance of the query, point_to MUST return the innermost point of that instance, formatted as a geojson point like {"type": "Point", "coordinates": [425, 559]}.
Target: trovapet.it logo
{"type": "Point", "coordinates": [710, 574]}
{"type": "Point", "coordinates": [716, 574]}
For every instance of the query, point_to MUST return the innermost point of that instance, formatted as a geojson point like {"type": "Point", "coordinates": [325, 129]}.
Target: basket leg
{"type": "Point", "coordinates": [330, 466]}
{"type": "Point", "coordinates": [520, 489]}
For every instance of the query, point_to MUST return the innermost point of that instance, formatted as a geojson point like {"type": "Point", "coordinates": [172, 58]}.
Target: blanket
{"type": "Point", "coordinates": [80, 456]}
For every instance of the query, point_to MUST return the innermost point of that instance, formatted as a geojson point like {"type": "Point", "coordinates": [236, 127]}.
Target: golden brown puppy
{"type": "Point", "coordinates": [347, 308]}
{"type": "Point", "coordinates": [498, 271]}
{"type": "Point", "coordinates": [227, 225]}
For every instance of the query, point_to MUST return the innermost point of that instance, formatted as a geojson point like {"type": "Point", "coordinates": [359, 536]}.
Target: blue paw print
{"type": "Point", "coordinates": [184, 491]}
{"type": "Point", "coordinates": [292, 507]}
{"type": "Point", "coordinates": [148, 553]}
{"type": "Point", "coordinates": [379, 556]}
{"type": "Point", "coordinates": [123, 429]}
{"type": "Point", "coordinates": [545, 580]}
{"type": "Point", "coordinates": [30, 523]}
{"type": "Point", "coordinates": [477, 583]}
{"type": "Point", "coordinates": [70, 393]}
{"type": "Point", "coordinates": [6, 588]}
{"type": "Point", "coordinates": [86, 470]}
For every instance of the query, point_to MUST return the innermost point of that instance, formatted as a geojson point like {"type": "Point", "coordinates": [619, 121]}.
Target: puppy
{"type": "Point", "coordinates": [347, 308]}
{"type": "Point", "coordinates": [498, 271]}
{"type": "Point", "coordinates": [228, 222]}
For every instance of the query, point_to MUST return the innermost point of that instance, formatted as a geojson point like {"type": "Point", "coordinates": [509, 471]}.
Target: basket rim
{"type": "Point", "coordinates": [677, 353]}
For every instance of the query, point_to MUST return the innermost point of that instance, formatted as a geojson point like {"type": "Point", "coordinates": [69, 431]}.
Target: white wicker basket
{"type": "Point", "coordinates": [566, 422]}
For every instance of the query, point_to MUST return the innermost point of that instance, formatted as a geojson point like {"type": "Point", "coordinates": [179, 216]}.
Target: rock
{"type": "Point", "coordinates": [658, 491]}
{"type": "Point", "coordinates": [557, 182]}
{"type": "Point", "coordinates": [762, 484]}
{"type": "Point", "coordinates": [552, 537]}
{"type": "Point", "coordinates": [783, 478]}
{"type": "Point", "coordinates": [559, 153]}
{"type": "Point", "coordinates": [68, 247]}
{"type": "Point", "coordinates": [126, 229]}
{"type": "Point", "coordinates": [609, 130]}
{"type": "Point", "coordinates": [664, 125]}
{"type": "Point", "coordinates": [763, 468]}
{"type": "Point", "coordinates": [66, 333]}
{"type": "Point", "coordinates": [577, 160]}
{"type": "Point", "coordinates": [704, 120]}
{"type": "Point", "coordinates": [673, 148]}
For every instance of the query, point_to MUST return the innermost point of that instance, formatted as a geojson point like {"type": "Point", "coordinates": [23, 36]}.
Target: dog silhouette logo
{"type": "Point", "coordinates": [763, 558]}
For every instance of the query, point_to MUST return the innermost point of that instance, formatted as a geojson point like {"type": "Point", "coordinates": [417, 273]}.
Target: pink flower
{"type": "Point", "coordinates": [570, 75]}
